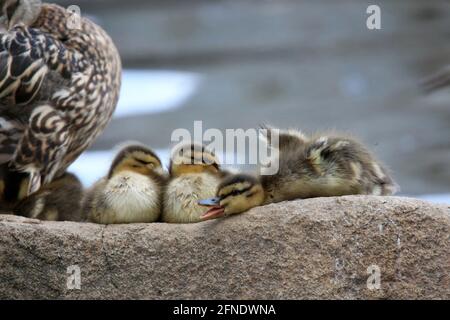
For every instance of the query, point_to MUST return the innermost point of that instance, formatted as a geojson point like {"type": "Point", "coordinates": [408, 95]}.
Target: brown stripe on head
{"type": "Point", "coordinates": [136, 154]}
{"type": "Point", "coordinates": [236, 183]}
{"type": "Point", "coordinates": [193, 154]}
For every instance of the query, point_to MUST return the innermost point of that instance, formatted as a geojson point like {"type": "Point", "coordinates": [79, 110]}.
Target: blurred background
{"type": "Point", "coordinates": [310, 64]}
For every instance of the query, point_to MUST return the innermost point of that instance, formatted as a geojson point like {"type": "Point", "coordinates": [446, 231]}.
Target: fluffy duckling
{"type": "Point", "coordinates": [60, 200]}
{"type": "Point", "coordinates": [194, 174]}
{"type": "Point", "coordinates": [309, 166]}
{"type": "Point", "coordinates": [132, 190]}
{"type": "Point", "coordinates": [324, 165]}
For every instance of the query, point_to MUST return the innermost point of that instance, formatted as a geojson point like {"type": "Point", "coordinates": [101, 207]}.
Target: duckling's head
{"type": "Point", "coordinates": [236, 194]}
{"type": "Point", "coordinates": [14, 12]}
{"type": "Point", "coordinates": [193, 158]}
{"type": "Point", "coordinates": [138, 159]}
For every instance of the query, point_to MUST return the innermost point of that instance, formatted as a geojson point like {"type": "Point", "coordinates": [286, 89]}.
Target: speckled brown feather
{"type": "Point", "coordinates": [58, 90]}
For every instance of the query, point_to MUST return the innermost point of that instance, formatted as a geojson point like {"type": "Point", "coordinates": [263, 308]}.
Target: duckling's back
{"type": "Point", "coordinates": [326, 165]}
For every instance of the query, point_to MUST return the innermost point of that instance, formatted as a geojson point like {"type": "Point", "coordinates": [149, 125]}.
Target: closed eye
{"type": "Point", "coordinates": [142, 161]}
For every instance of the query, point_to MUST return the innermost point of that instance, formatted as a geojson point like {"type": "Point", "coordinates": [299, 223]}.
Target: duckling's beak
{"type": "Point", "coordinates": [215, 211]}
{"type": "Point", "coordinates": [209, 202]}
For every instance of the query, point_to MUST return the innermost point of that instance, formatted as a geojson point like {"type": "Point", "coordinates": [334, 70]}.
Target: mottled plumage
{"type": "Point", "coordinates": [58, 89]}
{"type": "Point", "coordinates": [59, 200]}
{"type": "Point", "coordinates": [321, 165]}
{"type": "Point", "coordinates": [325, 164]}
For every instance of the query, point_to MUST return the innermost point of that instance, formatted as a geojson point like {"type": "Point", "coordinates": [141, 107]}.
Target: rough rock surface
{"type": "Point", "coordinates": [306, 249]}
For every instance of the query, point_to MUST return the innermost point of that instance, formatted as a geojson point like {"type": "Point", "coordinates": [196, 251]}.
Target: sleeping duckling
{"type": "Point", "coordinates": [194, 174]}
{"type": "Point", "coordinates": [132, 190]}
{"type": "Point", "coordinates": [309, 166]}
{"type": "Point", "coordinates": [324, 165]}
{"type": "Point", "coordinates": [60, 200]}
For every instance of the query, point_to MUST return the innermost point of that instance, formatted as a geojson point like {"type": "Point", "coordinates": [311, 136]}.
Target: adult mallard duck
{"type": "Point", "coordinates": [59, 86]}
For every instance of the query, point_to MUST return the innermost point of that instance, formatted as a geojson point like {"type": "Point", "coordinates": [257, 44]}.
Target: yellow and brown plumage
{"type": "Point", "coordinates": [58, 89]}
{"type": "Point", "coordinates": [132, 190]}
{"type": "Point", "coordinates": [321, 165]}
{"type": "Point", "coordinates": [195, 174]}
{"type": "Point", "coordinates": [325, 164]}
{"type": "Point", "coordinates": [59, 200]}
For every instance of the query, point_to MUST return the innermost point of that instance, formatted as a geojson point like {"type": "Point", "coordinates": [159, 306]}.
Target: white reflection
{"type": "Point", "coordinates": [148, 91]}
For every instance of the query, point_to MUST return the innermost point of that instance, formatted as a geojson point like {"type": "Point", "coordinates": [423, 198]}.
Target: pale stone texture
{"type": "Point", "coordinates": [306, 249]}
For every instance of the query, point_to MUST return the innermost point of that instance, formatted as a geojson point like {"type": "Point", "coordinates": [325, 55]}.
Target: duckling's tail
{"type": "Point", "coordinates": [348, 161]}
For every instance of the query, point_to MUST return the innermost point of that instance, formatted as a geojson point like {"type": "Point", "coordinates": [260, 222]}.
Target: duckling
{"type": "Point", "coordinates": [60, 200]}
{"type": "Point", "coordinates": [132, 190]}
{"type": "Point", "coordinates": [194, 174]}
{"type": "Point", "coordinates": [309, 166]}
{"type": "Point", "coordinates": [321, 165]}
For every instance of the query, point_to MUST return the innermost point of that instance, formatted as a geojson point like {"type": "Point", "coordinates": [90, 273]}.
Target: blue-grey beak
{"type": "Point", "coordinates": [209, 202]}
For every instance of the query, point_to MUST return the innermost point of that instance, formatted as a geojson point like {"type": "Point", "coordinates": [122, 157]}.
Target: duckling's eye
{"type": "Point", "coordinates": [235, 192]}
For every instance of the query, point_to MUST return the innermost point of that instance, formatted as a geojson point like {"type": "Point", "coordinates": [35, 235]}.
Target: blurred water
{"type": "Point", "coordinates": [436, 198]}
{"type": "Point", "coordinates": [148, 91]}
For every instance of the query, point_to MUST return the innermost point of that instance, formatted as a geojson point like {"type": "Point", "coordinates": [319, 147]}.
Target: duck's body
{"type": "Point", "coordinates": [59, 86]}
{"type": "Point", "coordinates": [60, 200]}
{"type": "Point", "coordinates": [132, 191]}
{"type": "Point", "coordinates": [321, 165]}
{"type": "Point", "coordinates": [194, 175]}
